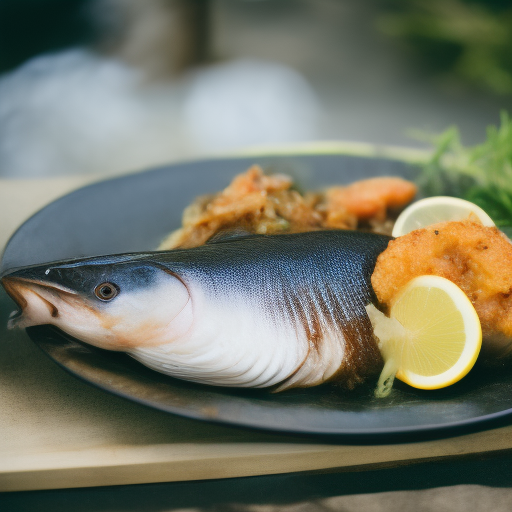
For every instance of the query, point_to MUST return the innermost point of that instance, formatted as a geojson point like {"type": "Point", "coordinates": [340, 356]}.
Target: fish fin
{"type": "Point", "coordinates": [228, 235]}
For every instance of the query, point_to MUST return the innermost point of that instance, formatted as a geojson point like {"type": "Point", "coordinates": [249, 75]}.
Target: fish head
{"type": "Point", "coordinates": [112, 303]}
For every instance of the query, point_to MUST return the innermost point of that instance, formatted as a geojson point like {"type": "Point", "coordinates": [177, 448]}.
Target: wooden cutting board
{"type": "Point", "coordinates": [58, 432]}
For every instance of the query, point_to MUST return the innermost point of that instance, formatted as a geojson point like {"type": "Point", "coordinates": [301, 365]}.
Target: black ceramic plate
{"type": "Point", "coordinates": [134, 212]}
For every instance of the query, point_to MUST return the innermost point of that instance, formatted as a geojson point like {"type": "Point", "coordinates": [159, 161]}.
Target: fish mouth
{"type": "Point", "coordinates": [36, 301]}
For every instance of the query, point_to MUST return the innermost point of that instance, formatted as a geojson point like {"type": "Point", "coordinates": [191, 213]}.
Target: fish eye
{"type": "Point", "coordinates": [106, 291]}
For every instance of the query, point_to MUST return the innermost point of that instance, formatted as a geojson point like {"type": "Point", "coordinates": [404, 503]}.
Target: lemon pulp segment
{"type": "Point", "coordinates": [432, 336]}
{"type": "Point", "coordinates": [433, 210]}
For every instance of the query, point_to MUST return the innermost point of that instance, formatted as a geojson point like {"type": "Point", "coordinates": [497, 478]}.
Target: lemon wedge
{"type": "Point", "coordinates": [436, 209]}
{"type": "Point", "coordinates": [431, 338]}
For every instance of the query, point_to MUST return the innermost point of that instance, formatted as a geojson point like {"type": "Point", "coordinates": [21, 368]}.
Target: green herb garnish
{"type": "Point", "coordinates": [481, 174]}
{"type": "Point", "coordinates": [468, 40]}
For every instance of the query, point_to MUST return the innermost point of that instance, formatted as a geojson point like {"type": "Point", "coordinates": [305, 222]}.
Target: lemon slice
{"type": "Point", "coordinates": [431, 338]}
{"type": "Point", "coordinates": [432, 210]}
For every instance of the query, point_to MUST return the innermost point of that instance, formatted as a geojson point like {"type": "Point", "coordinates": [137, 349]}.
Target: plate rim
{"type": "Point", "coordinates": [364, 151]}
{"type": "Point", "coordinates": [403, 154]}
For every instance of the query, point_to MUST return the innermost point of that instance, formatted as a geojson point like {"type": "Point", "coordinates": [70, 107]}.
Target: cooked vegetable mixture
{"type": "Point", "coordinates": [257, 203]}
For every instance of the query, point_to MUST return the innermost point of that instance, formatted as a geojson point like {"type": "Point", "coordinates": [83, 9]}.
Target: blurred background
{"type": "Point", "coordinates": [109, 86]}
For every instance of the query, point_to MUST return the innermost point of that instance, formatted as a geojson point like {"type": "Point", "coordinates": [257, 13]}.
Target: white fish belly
{"type": "Point", "coordinates": [231, 345]}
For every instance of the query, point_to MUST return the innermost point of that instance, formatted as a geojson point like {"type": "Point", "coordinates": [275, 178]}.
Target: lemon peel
{"type": "Point", "coordinates": [433, 210]}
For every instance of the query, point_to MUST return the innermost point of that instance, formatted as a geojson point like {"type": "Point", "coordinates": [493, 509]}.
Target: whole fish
{"type": "Point", "coordinates": [252, 311]}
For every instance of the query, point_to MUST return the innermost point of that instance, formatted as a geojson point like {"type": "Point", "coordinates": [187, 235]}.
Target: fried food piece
{"type": "Point", "coordinates": [478, 259]}
{"type": "Point", "coordinates": [369, 199]}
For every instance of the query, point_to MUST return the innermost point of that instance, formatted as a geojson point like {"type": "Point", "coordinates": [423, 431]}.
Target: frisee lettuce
{"type": "Point", "coordinates": [481, 174]}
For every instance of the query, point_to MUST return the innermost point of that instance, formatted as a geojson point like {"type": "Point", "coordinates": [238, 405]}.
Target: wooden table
{"type": "Point", "coordinates": [58, 432]}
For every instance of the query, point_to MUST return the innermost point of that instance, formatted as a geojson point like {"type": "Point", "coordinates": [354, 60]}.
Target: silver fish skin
{"type": "Point", "coordinates": [253, 311]}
